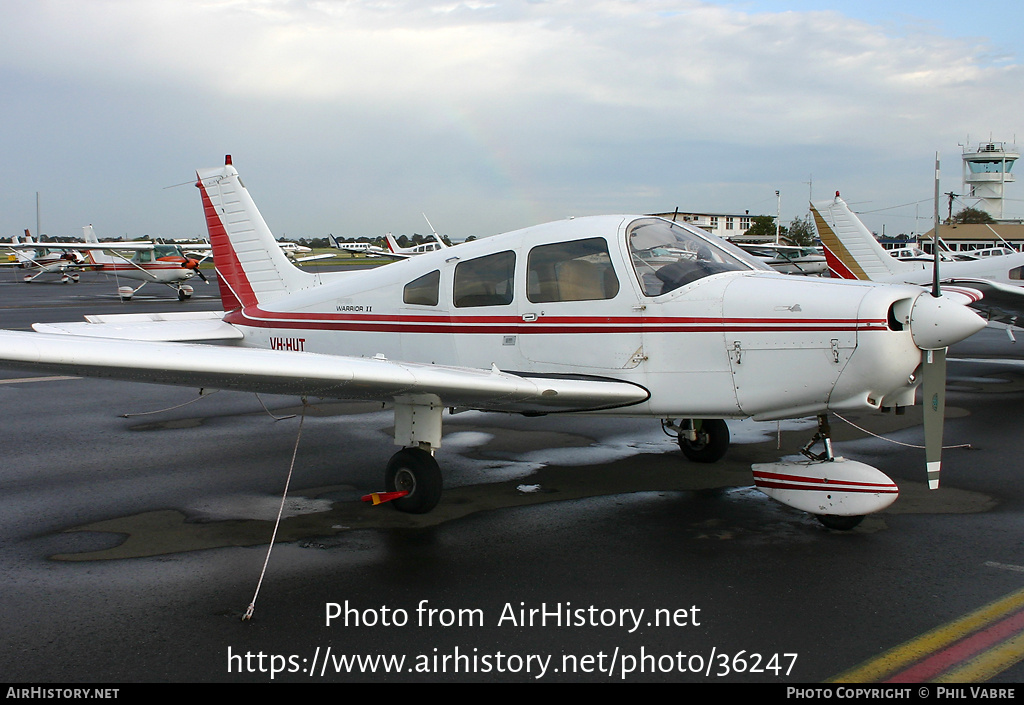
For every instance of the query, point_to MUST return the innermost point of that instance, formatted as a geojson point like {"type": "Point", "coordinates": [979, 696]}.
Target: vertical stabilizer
{"type": "Point", "coordinates": [97, 256]}
{"type": "Point", "coordinates": [850, 248]}
{"type": "Point", "coordinates": [251, 268]}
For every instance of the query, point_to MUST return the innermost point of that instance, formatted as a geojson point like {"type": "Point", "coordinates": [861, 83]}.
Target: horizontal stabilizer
{"type": "Point", "coordinates": [183, 326]}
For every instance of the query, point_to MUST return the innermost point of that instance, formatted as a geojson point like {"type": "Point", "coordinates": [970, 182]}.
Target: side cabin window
{"type": "Point", "coordinates": [485, 281]}
{"type": "Point", "coordinates": [1017, 273]}
{"type": "Point", "coordinates": [423, 291]}
{"type": "Point", "coordinates": [571, 271]}
{"type": "Point", "coordinates": [667, 256]}
{"type": "Point", "coordinates": [160, 251]}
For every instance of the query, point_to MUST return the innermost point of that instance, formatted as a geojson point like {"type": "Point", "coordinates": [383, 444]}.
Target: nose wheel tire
{"type": "Point", "coordinates": [838, 523]}
{"type": "Point", "coordinates": [414, 471]}
{"type": "Point", "coordinates": [711, 443]}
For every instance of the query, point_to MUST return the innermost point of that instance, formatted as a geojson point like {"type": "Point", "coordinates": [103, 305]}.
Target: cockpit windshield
{"type": "Point", "coordinates": [668, 255]}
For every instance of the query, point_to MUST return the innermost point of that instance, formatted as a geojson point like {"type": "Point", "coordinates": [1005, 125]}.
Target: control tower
{"type": "Point", "coordinates": [986, 172]}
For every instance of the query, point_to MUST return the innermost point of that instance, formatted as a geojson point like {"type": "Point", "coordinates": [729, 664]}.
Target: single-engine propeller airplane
{"type": "Point", "coordinates": [163, 264]}
{"type": "Point", "coordinates": [619, 314]}
{"type": "Point", "coordinates": [853, 253]}
{"type": "Point", "coordinates": [63, 258]}
{"type": "Point", "coordinates": [395, 250]}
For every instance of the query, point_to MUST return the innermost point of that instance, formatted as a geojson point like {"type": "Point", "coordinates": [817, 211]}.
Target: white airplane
{"type": "Point", "coordinates": [162, 264]}
{"type": "Point", "coordinates": [292, 250]}
{"type": "Point", "coordinates": [361, 248]}
{"type": "Point", "coordinates": [573, 317]}
{"type": "Point", "coordinates": [788, 259]}
{"type": "Point", "coordinates": [45, 258]}
{"type": "Point", "coordinates": [63, 258]}
{"type": "Point", "coordinates": [853, 253]}
{"type": "Point", "coordinates": [396, 251]}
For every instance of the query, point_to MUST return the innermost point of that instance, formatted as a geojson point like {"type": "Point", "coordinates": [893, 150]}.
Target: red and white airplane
{"type": "Point", "coordinates": [63, 258]}
{"type": "Point", "coordinates": [621, 314]}
{"type": "Point", "coordinates": [162, 264]}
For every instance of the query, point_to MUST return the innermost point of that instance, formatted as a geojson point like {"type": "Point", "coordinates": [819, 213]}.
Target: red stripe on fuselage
{"type": "Point", "coordinates": [389, 323]}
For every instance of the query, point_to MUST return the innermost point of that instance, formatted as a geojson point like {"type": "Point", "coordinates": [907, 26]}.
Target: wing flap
{"type": "Point", "coordinates": [309, 374]}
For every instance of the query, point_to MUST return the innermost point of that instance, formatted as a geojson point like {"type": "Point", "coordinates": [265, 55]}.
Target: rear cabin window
{"type": "Point", "coordinates": [571, 271]}
{"type": "Point", "coordinates": [423, 291]}
{"type": "Point", "coordinates": [485, 281]}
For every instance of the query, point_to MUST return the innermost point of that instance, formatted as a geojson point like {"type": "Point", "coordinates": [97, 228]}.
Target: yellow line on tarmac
{"type": "Point", "coordinates": [988, 664]}
{"type": "Point", "coordinates": [916, 649]}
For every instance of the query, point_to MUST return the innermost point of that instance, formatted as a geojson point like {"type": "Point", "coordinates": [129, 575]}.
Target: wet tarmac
{"type": "Point", "coordinates": [134, 523]}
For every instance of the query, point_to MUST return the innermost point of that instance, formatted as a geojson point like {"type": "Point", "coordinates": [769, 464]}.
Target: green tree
{"type": "Point", "coordinates": [761, 226]}
{"type": "Point", "coordinates": [972, 215]}
{"type": "Point", "coordinates": [801, 232]}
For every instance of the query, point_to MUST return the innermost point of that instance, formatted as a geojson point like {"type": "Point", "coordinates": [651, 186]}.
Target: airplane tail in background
{"type": "Point", "coordinates": [851, 250]}
{"type": "Point", "coordinates": [97, 257]}
{"type": "Point", "coordinates": [392, 243]}
{"type": "Point", "coordinates": [251, 268]}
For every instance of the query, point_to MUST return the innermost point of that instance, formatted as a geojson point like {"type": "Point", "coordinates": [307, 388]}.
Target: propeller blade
{"type": "Point", "coordinates": [933, 390]}
{"type": "Point", "coordinates": [201, 275]}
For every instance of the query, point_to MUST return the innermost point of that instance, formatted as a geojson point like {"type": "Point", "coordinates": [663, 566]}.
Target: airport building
{"type": "Point", "coordinates": [987, 169]}
{"type": "Point", "coordinates": [725, 225]}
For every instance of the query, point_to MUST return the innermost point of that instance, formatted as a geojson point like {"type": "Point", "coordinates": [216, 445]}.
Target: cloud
{"type": "Point", "coordinates": [496, 113]}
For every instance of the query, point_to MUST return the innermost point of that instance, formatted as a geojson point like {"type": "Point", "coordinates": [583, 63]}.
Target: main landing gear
{"type": "Point", "coordinates": [414, 470]}
{"type": "Point", "coordinates": [412, 476]}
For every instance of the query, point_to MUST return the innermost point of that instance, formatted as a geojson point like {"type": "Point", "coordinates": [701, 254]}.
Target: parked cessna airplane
{"type": "Point", "coordinates": [620, 314]}
{"type": "Point", "coordinates": [853, 253]}
{"type": "Point", "coordinates": [64, 258]}
{"type": "Point", "coordinates": [163, 264]}
{"type": "Point", "coordinates": [788, 259]}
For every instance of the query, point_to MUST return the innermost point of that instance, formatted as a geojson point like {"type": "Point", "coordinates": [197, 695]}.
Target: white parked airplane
{"type": "Point", "coordinates": [362, 248]}
{"type": "Point", "coordinates": [853, 253]}
{"type": "Point", "coordinates": [162, 264]}
{"type": "Point", "coordinates": [396, 251]}
{"type": "Point", "coordinates": [788, 259]}
{"type": "Point", "coordinates": [293, 251]}
{"type": "Point", "coordinates": [621, 314]}
{"type": "Point", "coordinates": [63, 258]}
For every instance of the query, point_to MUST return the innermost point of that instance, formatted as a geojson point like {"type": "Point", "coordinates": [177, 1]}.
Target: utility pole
{"type": "Point", "coordinates": [778, 215]}
{"type": "Point", "coordinates": [951, 197]}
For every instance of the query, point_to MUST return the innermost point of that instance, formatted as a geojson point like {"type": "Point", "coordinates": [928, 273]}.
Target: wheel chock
{"type": "Point", "coordinates": [381, 497]}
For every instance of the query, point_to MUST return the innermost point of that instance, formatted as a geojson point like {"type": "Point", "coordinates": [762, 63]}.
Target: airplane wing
{"type": "Point", "coordinates": [311, 374]}
{"type": "Point", "coordinates": [140, 245]}
{"type": "Point", "coordinates": [1002, 302]}
{"type": "Point", "coordinates": [310, 258]}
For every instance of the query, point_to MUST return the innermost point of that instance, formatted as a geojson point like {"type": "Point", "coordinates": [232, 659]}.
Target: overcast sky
{"type": "Point", "coordinates": [354, 117]}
